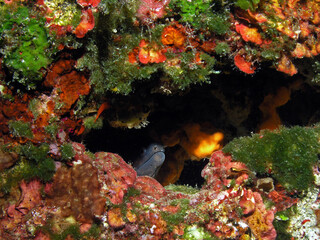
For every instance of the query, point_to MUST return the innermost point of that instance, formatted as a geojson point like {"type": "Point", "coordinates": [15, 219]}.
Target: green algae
{"type": "Point", "coordinates": [24, 43]}
{"type": "Point", "coordinates": [201, 15]}
{"type": "Point", "coordinates": [20, 129]}
{"type": "Point", "coordinates": [52, 129]}
{"type": "Point", "coordinates": [34, 153]}
{"type": "Point", "coordinates": [174, 219]}
{"type": "Point", "coordinates": [288, 154]}
{"type": "Point", "coordinates": [222, 48]}
{"type": "Point", "coordinates": [34, 163]}
{"type": "Point", "coordinates": [67, 151]}
{"type": "Point", "coordinates": [26, 170]}
{"type": "Point", "coordinates": [281, 222]}
{"type": "Point", "coordinates": [182, 188]}
{"type": "Point", "coordinates": [247, 4]}
{"type": "Point", "coordinates": [73, 230]}
{"type": "Point", "coordinates": [195, 232]}
{"type": "Point", "coordinates": [92, 123]}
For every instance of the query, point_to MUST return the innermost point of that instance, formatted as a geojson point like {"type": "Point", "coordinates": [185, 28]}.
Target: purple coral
{"type": "Point", "coordinates": [150, 10]}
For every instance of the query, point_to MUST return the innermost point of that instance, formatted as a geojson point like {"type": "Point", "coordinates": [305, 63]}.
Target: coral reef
{"type": "Point", "coordinates": [104, 187]}
{"type": "Point", "coordinates": [194, 76]}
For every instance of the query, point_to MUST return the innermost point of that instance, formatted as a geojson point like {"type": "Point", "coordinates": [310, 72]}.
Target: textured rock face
{"type": "Point", "coordinates": [100, 196]}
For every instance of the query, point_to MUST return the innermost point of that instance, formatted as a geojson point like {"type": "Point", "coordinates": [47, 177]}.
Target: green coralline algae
{"type": "Point", "coordinates": [24, 44]}
{"type": "Point", "coordinates": [288, 154]}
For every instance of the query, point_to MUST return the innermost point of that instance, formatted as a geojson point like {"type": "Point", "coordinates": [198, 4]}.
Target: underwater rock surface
{"type": "Point", "coordinates": [85, 84]}
{"type": "Point", "coordinates": [100, 196]}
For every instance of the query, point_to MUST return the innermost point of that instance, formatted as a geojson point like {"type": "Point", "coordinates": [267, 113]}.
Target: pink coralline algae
{"type": "Point", "coordinates": [219, 170]}
{"type": "Point", "coordinates": [103, 186]}
{"type": "Point", "coordinates": [116, 174]}
{"type": "Point", "coordinates": [12, 226]}
{"type": "Point", "coordinates": [219, 174]}
{"type": "Point", "coordinates": [151, 10]}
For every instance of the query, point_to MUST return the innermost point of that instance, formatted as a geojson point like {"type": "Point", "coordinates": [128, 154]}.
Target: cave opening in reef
{"type": "Point", "coordinates": [234, 105]}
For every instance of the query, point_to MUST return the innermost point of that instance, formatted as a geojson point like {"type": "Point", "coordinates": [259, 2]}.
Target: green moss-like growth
{"type": "Point", "coordinates": [189, 72]}
{"type": "Point", "coordinates": [92, 123]}
{"type": "Point", "coordinates": [131, 192]}
{"type": "Point", "coordinates": [200, 15]}
{"type": "Point", "coordinates": [269, 54]}
{"type": "Point", "coordinates": [195, 232]}
{"type": "Point", "coordinates": [26, 170]}
{"type": "Point", "coordinates": [24, 43]}
{"type": "Point", "coordinates": [35, 153]}
{"type": "Point", "coordinates": [20, 129]}
{"type": "Point", "coordinates": [115, 74]}
{"type": "Point", "coordinates": [72, 231]}
{"type": "Point", "coordinates": [288, 153]}
{"type": "Point", "coordinates": [178, 217]}
{"type": "Point", "coordinates": [67, 151]}
{"type": "Point", "coordinates": [182, 188]}
{"type": "Point", "coordinates": [36, 163]}
{"type": "Point", "coordinates": [191, 10]}
{"type": "Point", "coordinates": [316, 71]}
{"type": "Point", "coordinates": [222, 48]}
{"type": "Point", "coordinates": [281, 222]}
{"type": "Point", "coordinates": [247, 4]}
{"type": "Point", "coordinates": [52, 129]}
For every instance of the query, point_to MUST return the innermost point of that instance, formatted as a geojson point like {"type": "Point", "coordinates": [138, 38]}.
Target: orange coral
{"type": "Point", "coordinates": [249, 34]}
{"type": "Point", "coordinates": [268, 107]}
{"type": "Point", "coordinates": [149, 186]}
{"type": "Point", "coordinates": [244, 65]}
{"type": "Point", "coordinates": [301, 51]}
{"type": "Point", "coordinates": [86, 24]}
{"type": "Point", "coordinates": [150, 53]}
{"type": "Point", "coordinates": [133, 55]}
{"type": "Point", "coordinates": [172, 36]}
{"type": "Point", "coordinates": [72, 86]}
{"type": "Point", "coordinates": [285, 65]}
{"type": "Point", "coordinates": [67, 82]}
{"type": "Point", "coordinates": [200, 144]}
{"type": "Point", "coordinates": [115, 219]}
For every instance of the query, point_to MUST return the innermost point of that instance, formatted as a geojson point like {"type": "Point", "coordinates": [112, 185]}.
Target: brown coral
{"type": "Point", "coordinates": [77, 192]}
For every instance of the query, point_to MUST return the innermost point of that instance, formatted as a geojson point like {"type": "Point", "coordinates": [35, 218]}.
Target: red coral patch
{"type": "Point", "coordinates": [244, 65]}
{"type": "Point", "coordinates": [86, 24]}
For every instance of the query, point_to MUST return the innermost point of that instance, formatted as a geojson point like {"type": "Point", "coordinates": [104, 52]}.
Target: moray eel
{"type": "Point", "coordinates": [149, 163]}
